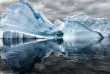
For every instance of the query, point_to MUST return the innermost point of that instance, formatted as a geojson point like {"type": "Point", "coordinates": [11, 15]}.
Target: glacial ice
{"type": "Point", "coordinates": [100, 25]}
{"type": "Point", "coordinates": [22, 18]}
{"type": "Point", "coordinates": [74, 29]}
{"type": "Point", "coordinates": [13, 34]}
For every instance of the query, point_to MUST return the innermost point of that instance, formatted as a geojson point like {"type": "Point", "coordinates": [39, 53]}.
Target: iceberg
{"type": "Point", "coordinates": [74, 29]}
{"type": "Point", "coordinates": [100, 25]}
{"type": "Point", "coordinates": [22, 17]}
{"type": "Point", "coordinates": [22, 21]}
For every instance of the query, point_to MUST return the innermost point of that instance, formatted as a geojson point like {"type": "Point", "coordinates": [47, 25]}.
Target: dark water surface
{"type": "Point", "coordinates": [41, 56]}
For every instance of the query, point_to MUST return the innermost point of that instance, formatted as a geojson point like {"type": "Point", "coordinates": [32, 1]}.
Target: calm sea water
{"type": "Point", "coordinates": [41, 56]}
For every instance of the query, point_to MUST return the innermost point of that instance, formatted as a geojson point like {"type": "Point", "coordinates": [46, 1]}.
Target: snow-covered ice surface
{"type": "Point", "coordinates": [21, 19]}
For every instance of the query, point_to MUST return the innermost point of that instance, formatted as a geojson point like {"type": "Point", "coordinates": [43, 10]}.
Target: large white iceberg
{"type": "Point", "coordinates": [21, 17]}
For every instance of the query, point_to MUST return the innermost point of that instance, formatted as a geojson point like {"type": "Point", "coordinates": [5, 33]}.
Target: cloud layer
{"type": "Point", "coordinates": [59, 9]}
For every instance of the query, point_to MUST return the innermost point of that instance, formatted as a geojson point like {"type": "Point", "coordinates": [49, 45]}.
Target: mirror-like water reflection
{"type": "Point", "coordinates": [78, 56]}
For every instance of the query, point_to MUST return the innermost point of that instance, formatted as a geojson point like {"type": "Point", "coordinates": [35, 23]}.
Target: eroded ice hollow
{"type": "Point", "coordinates": [22, 21]}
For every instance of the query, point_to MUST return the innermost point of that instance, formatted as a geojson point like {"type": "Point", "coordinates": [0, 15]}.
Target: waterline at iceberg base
{"type": "Point", "coordinates": [22, 21]}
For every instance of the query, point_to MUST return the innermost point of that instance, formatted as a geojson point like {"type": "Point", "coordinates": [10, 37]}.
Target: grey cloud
{"type": "Point", "coordinates": [4, 7]}
{"type": "Point", "coordinates": [59, 9]}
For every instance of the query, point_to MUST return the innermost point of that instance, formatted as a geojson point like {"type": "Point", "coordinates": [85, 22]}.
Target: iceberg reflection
{"type": "Point", "coordinates": [21, 54]}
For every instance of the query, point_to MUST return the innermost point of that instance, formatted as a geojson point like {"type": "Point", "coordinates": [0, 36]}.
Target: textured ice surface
{"type": "Point", "coordinates": [74, 29]}
{"type": "Point", "coordinates": [22, 18]}
{"type": "Point", "coordinates": [13, 34]}
{"type": "Point", "coordinates": [58, 26]}
{"type": "Point", "coordinates": [95, 24]}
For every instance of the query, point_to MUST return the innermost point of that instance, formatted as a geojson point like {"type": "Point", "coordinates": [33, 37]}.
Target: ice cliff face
{"type": "Point", "coordinates": [95, 24]}
{"type": "Point", "coordinates": [75, 30]}
{"type": "Point", "coordinates": [22, 18]}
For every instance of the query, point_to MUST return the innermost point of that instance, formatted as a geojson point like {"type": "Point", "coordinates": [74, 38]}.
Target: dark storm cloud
{"type": "Point", "coordinates": [59, 9]}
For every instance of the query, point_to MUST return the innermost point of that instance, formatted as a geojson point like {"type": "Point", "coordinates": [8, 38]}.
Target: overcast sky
{"type": "Point", "coordinates": [59, 9]}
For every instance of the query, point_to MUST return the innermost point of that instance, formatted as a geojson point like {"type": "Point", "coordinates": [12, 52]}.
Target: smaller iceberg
{"type": "Point", "coordinates": [74, 29]}
{"type": "Point", "coordinates": [100, 25]}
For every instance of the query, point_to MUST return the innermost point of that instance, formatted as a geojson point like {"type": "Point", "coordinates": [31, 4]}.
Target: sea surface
{"type": "Point", "coordinates": [55, 56]}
